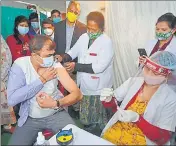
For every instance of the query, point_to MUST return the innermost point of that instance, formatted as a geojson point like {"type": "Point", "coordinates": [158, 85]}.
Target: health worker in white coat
{"type": "Point", "coordinates": [147, 113]}
{"type": "Point", "coordinates": [165, 35]}
{"type": "Point", "coordinates": [95, 70]}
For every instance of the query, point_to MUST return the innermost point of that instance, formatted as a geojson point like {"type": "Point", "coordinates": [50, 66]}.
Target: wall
{"type": "Point", "coordinates": [87, 7]}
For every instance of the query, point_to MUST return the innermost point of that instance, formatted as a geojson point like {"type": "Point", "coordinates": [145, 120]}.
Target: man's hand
{"type": "Point", "coordinates": [69, 66]}
{"type": "Point", "coordinates": [49, 74]}
{"type": "Point", "coordinates": [58, 58]}
{"type": "Point", "coordinates": [128, 115]}
{"type": "Point", "coordinates": [45, 101]}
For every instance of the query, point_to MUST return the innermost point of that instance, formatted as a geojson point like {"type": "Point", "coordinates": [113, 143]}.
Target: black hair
{"type": "Point", "coordinates": [37, 43]}
{"type": "Point", "coordinates": [55, 11]}
{"type": "Point", "coordinates": [47, 21]}
{"type": "Point", "coordinates": [18, 20]}
{"type": "Point", "coordinates": [98, 18]}
{"type": "Point", "coordinates": [169, 18]}
{"type": "Point", "coordinates": [33, 16]}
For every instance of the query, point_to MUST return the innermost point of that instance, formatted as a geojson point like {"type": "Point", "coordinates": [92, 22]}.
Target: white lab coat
{"type": "Point", "coordinates": [100, 55]}
{"type": "Point", "coordinates": [170, 48]}
{"type": "Point", "coordinates": [160, 111]}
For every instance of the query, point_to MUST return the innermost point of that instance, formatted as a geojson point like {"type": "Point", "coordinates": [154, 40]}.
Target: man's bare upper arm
{"type": "Point", "coordinates": [66, 80]}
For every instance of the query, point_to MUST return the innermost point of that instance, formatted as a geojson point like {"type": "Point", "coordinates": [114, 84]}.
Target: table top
{"type": "Point", "coordinates": [81, 137]}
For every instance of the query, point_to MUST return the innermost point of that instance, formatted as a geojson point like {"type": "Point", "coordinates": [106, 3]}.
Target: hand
{"type": "Point", "coordinates": [69, 66]}
{"type": "Point", "coordinates": [128, 115]}
{"type": "Point", "coordinates": [45, 101]}
{"type": "Point", "coordinates": [106, 94]}
{"type": "Point", "coordinates": [25, 46]}
{"type": "Point", "coordinates": [49, 74]}
{"type": "Point", "coordinates": [58, 58]}
{"type": "Point", "coordinates": [141, 59]}
{"type": "Point", "coordinates": [2, 86]}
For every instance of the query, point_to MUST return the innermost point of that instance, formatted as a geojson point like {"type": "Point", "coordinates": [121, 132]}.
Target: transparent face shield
{"type": "Point", "coordinates": [160, 75]}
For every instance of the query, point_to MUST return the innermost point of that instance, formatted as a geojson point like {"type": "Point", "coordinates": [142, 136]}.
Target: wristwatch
{"type": "Point", "coordinates": [58, 105]}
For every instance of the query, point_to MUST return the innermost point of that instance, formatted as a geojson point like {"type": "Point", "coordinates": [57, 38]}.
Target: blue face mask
{"type": "Point", "coordinates": [35, 25]}
{"type": "Point", "coordinates": [47, 62]}
{"type": "Point", "coordinates": [23, 30]}
{"type": "Point", "coordinates": [56, 19]}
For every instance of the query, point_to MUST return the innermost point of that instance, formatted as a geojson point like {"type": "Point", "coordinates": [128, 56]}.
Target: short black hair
{"type": "Point", "coordinates": [37, 43]}
{"type": "Point", "coordinates": [33, 16]}
{"type": "Point", "coordinates": [169, 18]}
{"type": "Point", "coordinates": [98, 18]}
{"type": "Point", "coordinates": [47, 21]}
{"type": "Point", "coordinates": [55, 11]}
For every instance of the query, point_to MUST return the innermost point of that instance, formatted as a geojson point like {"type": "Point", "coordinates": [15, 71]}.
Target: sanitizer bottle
{"type": "Point", "coordinates": [41, 140]}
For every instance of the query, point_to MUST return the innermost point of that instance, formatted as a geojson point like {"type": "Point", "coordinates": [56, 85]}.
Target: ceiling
{"type": "Point", "coordinates": [47, 4]}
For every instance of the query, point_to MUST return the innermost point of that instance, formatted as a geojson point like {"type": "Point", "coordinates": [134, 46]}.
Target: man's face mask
{"type": "Point", "coordinates": [47, 62]}
{"type": "Point", "coordinates": [56, 19]}
{"type": "Point", "coordinates": [163, 36]}
{"type": "Point", "coordinates": [35, 25]}
{"type": "Point", "coordinates": [48, 31]}
{"type": "Point", "coordinates": [71, 17]}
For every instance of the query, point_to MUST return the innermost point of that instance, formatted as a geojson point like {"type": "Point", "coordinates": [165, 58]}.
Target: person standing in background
{"type": "Point", "coordinates": [18, 42]}
{"type": "Point", "coordinates": [34, 24]}
{"type": "Point", "coordinates": [63, 16]}
{"type": "Point", "coordinates": [165, 35]}
{"type": "Point", "coordinates": [94, 71]}
{"type": "Point", "coordinates": [48, 28]}
{"type": "Point", "coordinates": [66, 34]}
{"type": "Point", "coordinates": [55, 16]}
{"type": "Point", "coordinates": [7, 113]}
{"type": "Point", "coordinates": [68, 31]}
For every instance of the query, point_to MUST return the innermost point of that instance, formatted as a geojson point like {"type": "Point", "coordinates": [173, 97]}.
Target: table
{"type": "Point", "coordinates": [81, 137]}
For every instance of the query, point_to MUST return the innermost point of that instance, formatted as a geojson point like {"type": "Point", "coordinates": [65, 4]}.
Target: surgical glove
{"type": "Point", "coordinates": [107, 100]}
{"type": "Point", "coordinates": [128, 115]}
{"type": "Point", "coordinates": [106, 94]}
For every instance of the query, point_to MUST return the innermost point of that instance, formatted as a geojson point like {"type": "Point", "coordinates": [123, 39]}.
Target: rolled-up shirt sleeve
{"type": "Point", "coordinates": [17, 89]}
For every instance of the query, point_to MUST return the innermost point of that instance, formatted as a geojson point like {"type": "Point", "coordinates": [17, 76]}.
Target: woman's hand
{"type": "Point", "coordinates": [108, 100]}
{"type": "Point", "coordinates": [69, 66]}
{"type": "Point", "coordinates": [128, 115]}
{"type": "Point", "coordinates": [45, 101]}
{"type": "Point", "coordinates": [141, 59]}
{"type": "Point", "coordinates": [58, 58]}
{"type": "Point", "coordinates": [25, 46]}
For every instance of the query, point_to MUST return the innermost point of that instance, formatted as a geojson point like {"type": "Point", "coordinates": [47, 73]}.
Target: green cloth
{"type": "Point", "coordinates": [93, 112]}
{"type": "Point", "coordinates": [8, 15]}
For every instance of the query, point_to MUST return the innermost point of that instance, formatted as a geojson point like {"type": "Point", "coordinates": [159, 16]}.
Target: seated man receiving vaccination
{"type": "Point", "coordinates": [42, 104]}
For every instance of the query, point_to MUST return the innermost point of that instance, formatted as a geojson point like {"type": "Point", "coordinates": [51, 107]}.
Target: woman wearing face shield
{"type": "Point", "coordinates": [147, 113]}
{"type": "Point", "coordinates": [33, 83]}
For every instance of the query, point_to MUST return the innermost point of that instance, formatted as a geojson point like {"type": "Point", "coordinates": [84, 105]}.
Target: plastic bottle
{"type": "Point", "coordinates": [41, 140]}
